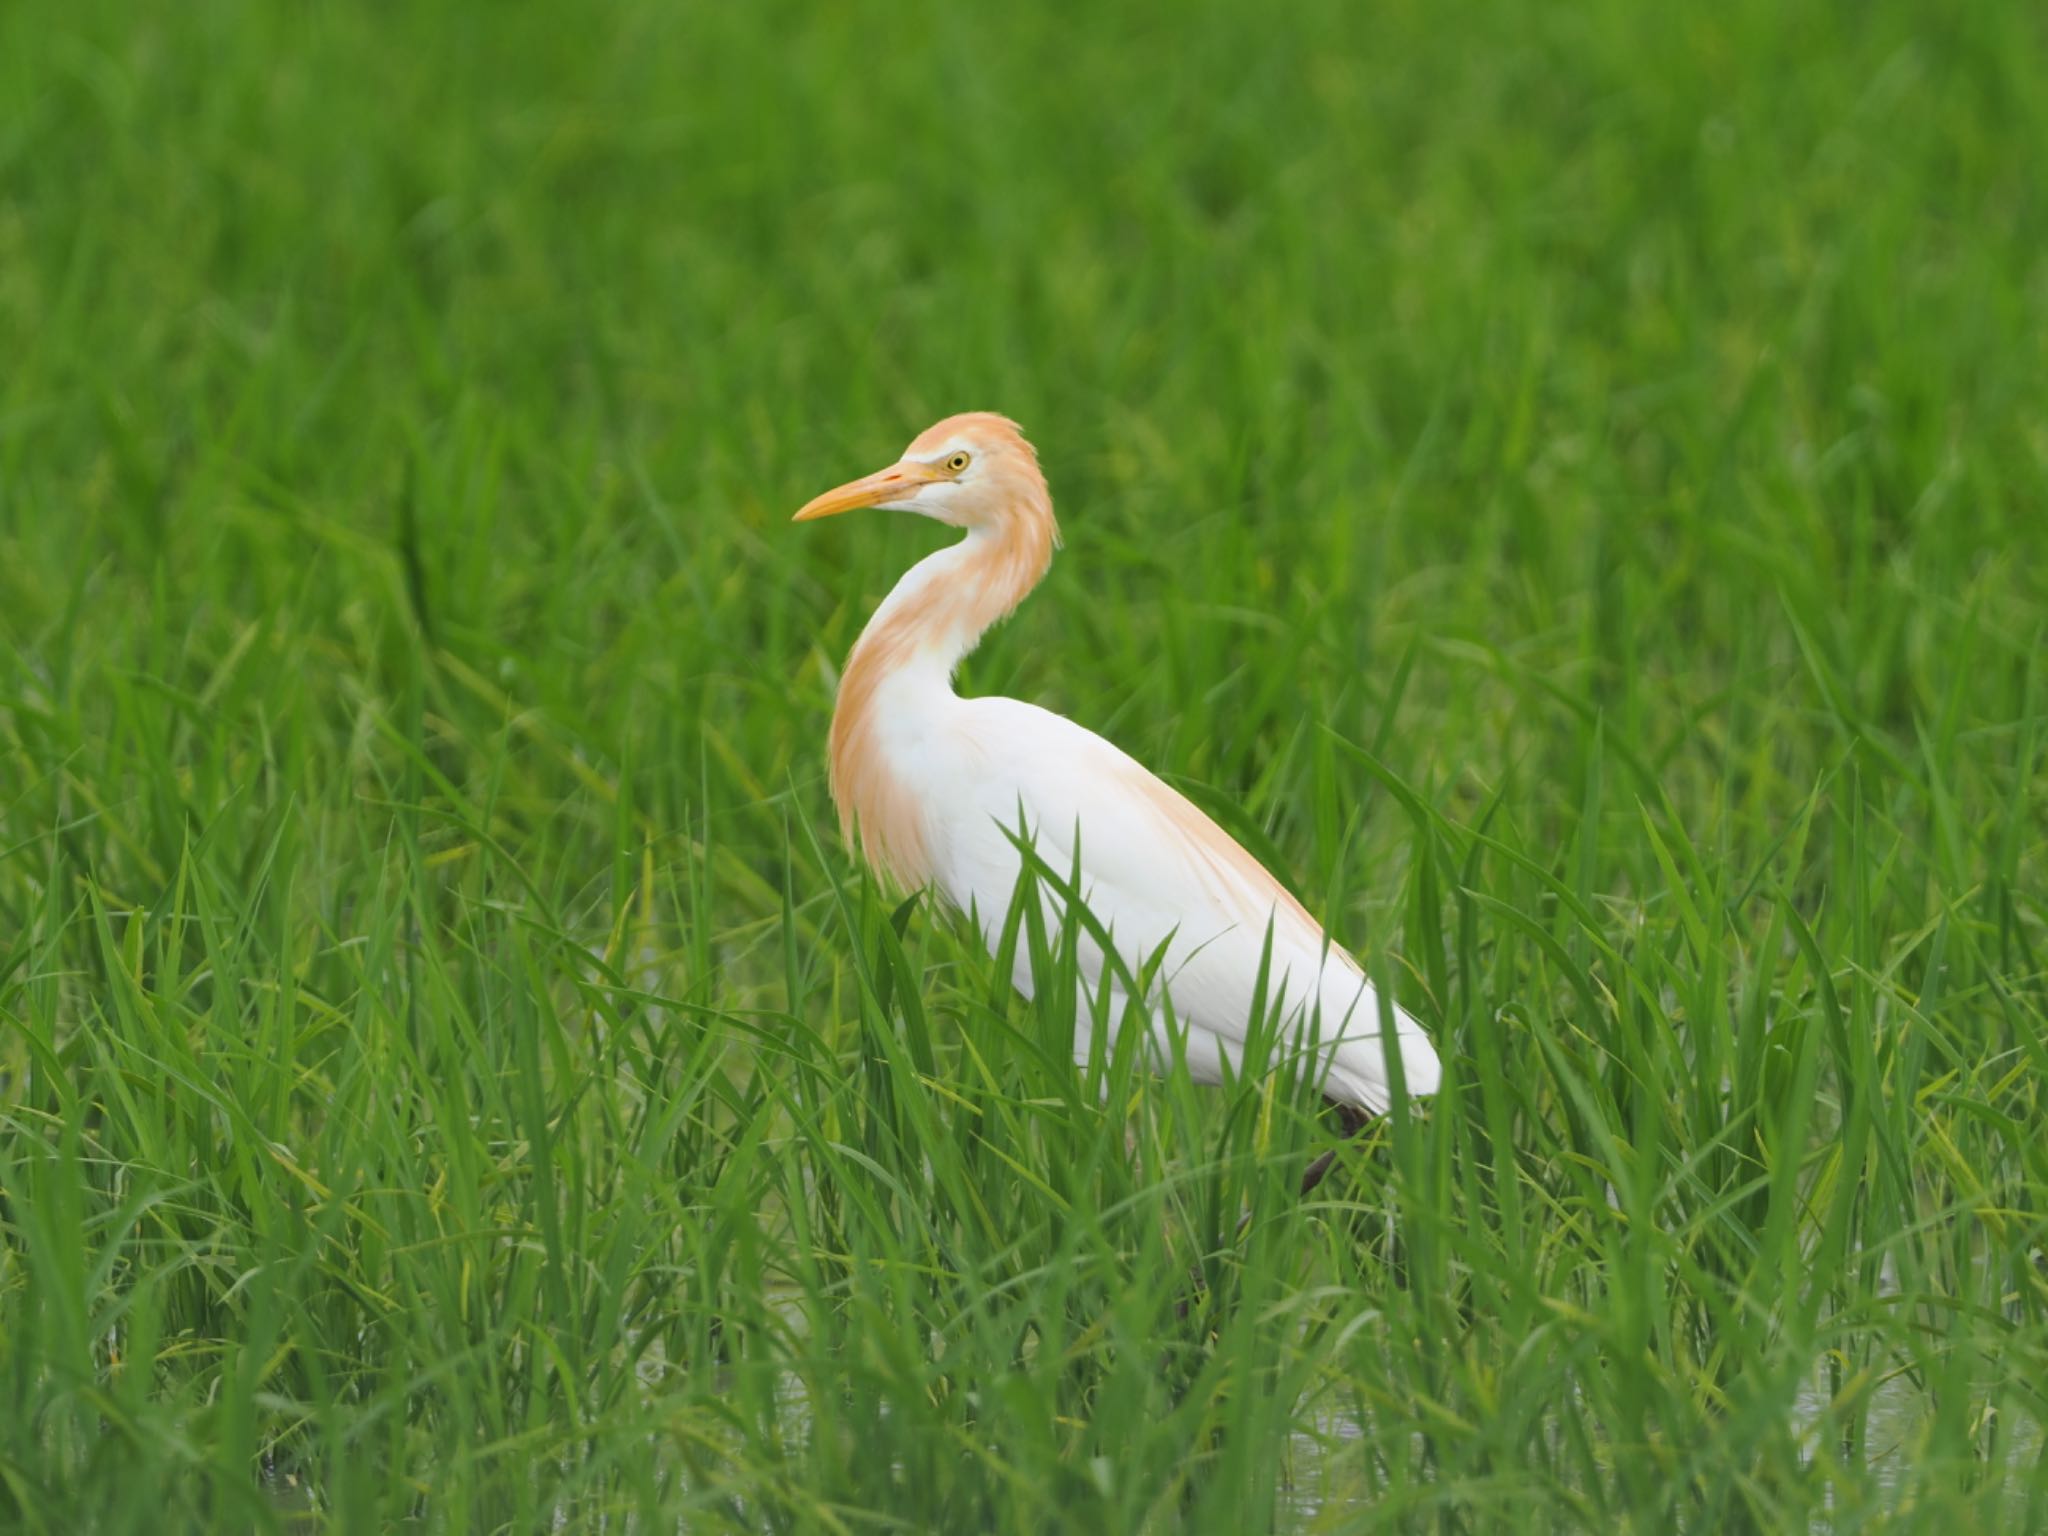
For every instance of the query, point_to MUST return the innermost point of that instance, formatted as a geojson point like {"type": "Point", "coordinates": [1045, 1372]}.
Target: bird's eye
{"type": "Point", "coordinates": [957, 462]}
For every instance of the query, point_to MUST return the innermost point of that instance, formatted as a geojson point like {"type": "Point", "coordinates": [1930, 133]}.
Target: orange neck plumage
{"type": "Point", "coordinates": [935, 615]}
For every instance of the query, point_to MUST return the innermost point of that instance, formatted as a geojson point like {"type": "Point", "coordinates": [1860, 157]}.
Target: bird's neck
{"type": "Point", "coordinates": [900, 676]}
{"type": "Point", "coordinates": [943, 605]}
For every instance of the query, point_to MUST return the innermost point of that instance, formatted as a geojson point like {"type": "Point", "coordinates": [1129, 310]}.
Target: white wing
{"type": "Point", "coordinates": [1157, 871]}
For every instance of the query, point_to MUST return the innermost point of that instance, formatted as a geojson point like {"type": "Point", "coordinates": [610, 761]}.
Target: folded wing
{"type": "Point", "coordinates": [1157, 871]}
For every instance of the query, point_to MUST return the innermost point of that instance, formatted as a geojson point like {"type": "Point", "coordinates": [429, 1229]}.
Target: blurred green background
{"type": "Point", "coordinates": [1567, 484]}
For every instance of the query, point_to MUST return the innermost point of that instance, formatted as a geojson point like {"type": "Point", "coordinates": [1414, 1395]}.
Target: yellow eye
{"type": "Point", "coordinates": [957, 462]}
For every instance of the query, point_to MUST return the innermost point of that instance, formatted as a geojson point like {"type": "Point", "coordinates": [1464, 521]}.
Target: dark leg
{"type": "Point", "coordinates": [1355, 1120]}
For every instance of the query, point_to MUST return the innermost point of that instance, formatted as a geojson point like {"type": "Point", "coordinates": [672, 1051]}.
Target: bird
{"type": "Point", "coordinates": [947, 791]}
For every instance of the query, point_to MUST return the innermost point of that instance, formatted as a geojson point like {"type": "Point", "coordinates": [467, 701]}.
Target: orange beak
{"type": "Point", "coordinates": [892, 484]}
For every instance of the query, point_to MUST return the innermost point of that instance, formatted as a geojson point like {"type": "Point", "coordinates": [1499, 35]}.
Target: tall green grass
{"type": "Point", "coordinates": [1567, 485]}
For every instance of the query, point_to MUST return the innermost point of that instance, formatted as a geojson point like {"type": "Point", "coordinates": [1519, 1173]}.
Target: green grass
{"type": "Point", "coordinates": [1575, 479]}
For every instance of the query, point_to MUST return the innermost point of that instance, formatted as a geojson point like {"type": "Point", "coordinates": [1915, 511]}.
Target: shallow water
{"type": "Point", "coordinates": [1325, 1482]}
{"type": "Point", "coordinates": [1324, 1486]}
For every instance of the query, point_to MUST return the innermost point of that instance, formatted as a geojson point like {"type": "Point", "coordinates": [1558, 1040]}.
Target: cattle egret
{"type": "Point", "coordinates": [932, 787]}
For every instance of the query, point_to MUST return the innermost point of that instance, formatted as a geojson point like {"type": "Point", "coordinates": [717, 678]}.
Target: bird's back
{"type": "Point", "coordinates": [1157, 871]}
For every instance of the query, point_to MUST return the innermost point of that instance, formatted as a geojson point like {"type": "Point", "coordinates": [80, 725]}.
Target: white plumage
{"type": "Point", "coordinates": [933, 786]}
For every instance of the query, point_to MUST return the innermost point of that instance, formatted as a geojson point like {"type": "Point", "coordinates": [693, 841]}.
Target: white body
{"type": "Point", "coordinates": [1155, 871]}
{"type": "Point", "coordinates": [936, 787]}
